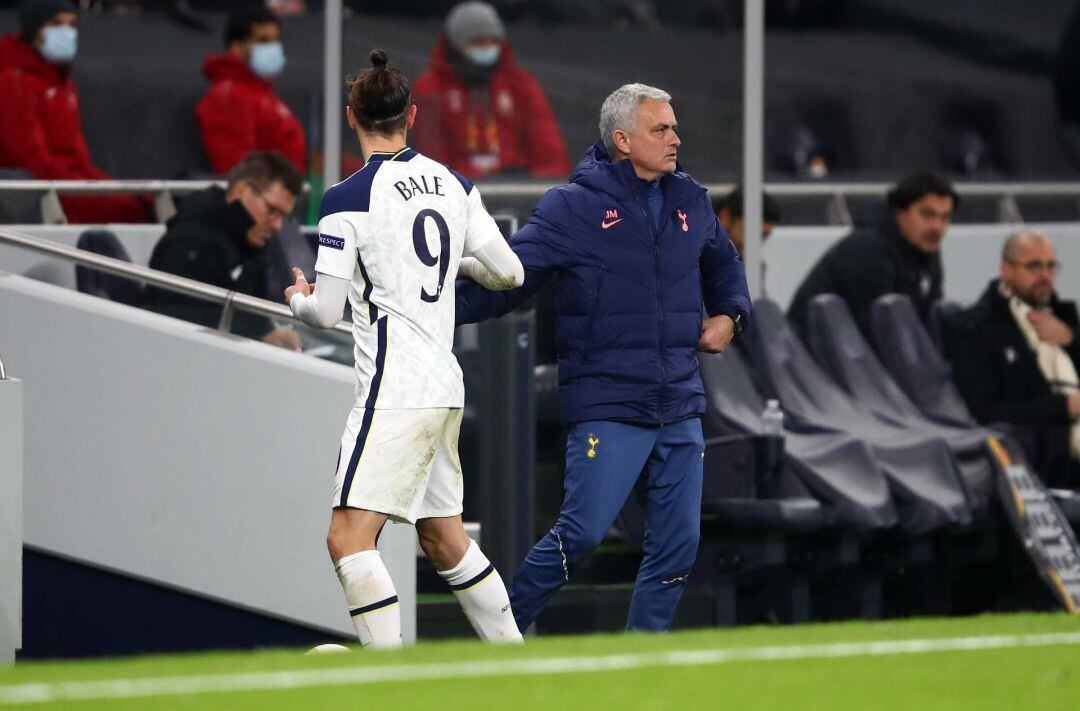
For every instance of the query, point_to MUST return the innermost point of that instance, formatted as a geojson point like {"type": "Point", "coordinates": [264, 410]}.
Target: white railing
{"type": "Point", "coordinates": [837, 194]}
{"type": "Point", "coordinates": [230, 300]}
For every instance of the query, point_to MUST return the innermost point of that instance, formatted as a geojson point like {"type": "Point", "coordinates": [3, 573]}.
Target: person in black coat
{"type": "Point", "coordinates": [901, 255]}
{"type": "Point", "coordinates": [1015, 354]}
{"type": "Point", "coordinates": [219, 237]}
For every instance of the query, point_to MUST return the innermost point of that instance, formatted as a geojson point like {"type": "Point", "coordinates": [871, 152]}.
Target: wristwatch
{"type": "Point", "coordinates": [737, 319]}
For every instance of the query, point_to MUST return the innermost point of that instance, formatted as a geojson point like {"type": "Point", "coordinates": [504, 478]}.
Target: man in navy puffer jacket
{"type": "Point", "coordinates": [638, 253]}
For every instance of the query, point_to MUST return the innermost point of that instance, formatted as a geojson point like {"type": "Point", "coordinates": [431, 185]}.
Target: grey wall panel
{"type": "Point", "coordinates": [971, 255]}
{"type": "Point", "coordinates": [172, 453]}
{"type": "Point", "coordinates": [11, 525]}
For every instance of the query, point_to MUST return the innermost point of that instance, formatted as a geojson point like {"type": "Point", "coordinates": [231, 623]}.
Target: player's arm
{"type": "Point", "coordinates": [544, 246]}
{"type": "Point", "coordinates": [322, 310]}
{"type": "Point", "coordinates": [493, 264]}
{"type": "Point", "coordinates": [335, 265]}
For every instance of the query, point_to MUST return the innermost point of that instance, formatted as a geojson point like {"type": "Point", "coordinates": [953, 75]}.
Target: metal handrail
{"type": "Point", "coordinates": [538, 188]}
{"type": "Point", "coordinates": [824, 190]}
{"type": "Point", "coordinates": [108, 186]}
{"type": "Point", "coordinates": [836, 193]}
{"type": "Point", "coordinates": [230, 300]}
{"type": "Point", "coordinates": [162, 190]}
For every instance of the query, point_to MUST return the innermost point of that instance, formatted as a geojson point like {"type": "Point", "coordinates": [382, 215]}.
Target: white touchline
{"type": "Point", "coordinates": [348, 676]}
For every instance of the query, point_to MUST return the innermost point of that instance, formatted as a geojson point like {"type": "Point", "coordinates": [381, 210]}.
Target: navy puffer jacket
{"type": "Point", "coordinates": [630, 296]}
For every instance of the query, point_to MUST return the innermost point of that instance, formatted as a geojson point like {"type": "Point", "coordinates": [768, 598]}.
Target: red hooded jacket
{"type": "Point", "coordinates": [41, 132]}
{"type": "Point", "coordinates": [242, 113]}
{"type": "Point", "coordinates": [452, 128]}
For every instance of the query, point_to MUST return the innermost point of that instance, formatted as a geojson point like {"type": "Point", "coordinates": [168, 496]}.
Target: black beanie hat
{"type": "Point", "coordinates": [35, 13]}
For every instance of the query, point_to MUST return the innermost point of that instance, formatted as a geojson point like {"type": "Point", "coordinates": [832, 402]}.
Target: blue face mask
{"type": "Point", "coordinates": [484, 56]}
{"type": "Point", "coordinates": [267, 59]}
{"type": "Point", "coordinates": [60, 45]}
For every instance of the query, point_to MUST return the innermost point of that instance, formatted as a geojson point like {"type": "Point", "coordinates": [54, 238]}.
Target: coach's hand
{"type": "Point", "coordinates": [716, 334]}
{"type": "Point", "coordinates": [284, 338]}
{"type": "Point", "coordinates": [300, 287]}
{"type": "Point", "coordinates": [1050, 328]}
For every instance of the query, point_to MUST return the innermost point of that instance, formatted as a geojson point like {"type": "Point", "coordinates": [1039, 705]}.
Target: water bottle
{"type": "Point", "coordinates": [773, 417]}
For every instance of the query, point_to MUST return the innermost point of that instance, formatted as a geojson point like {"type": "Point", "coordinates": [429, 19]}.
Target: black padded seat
{"type": "Point", "coordinates": [909, 355]}
{"type": "Point", "coordinates": [923, 476]}
{"type": "Point", "coordinates": [99, 283]}
{"type": "Point", "coordinates": [800, 516]}
{"type": "Point", "coordinates": [843, 353]}
{"type": "Point", "coordinates": [837, 469]}
{"type": "Point", "coordinates": [942, 312]}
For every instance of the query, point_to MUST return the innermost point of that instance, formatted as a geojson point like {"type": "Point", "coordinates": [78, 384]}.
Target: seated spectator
{"type": "Point", "coordinates": [241, 112]}
{"type": "Point", "coordinates": [729, 210]}
{"type": "Point", "coordinates": [479, 111]}
{"type": "Point", "coordinates": [219, 237]}
{"type": "Point", "coordinates": [40, 127]}
{"type": "Point", "coordinates": [1015, 354]}
{"type": "Point", "coordinates": [901, 255]}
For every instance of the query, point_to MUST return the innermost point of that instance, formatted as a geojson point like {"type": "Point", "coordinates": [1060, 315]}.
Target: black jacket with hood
{"type": "Point", "coordinates": [206, 241]}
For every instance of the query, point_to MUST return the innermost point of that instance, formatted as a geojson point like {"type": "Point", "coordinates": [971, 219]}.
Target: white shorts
{"type": "Point", "coordinates": [403, 463]}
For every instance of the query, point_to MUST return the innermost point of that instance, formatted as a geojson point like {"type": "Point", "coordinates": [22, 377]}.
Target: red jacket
{"type": "Point", "coordinates": [453, 129]}
{"type": "Point", "coordinates": [41, 132]}
{"type": "Point", "coordinates": [241, 113]}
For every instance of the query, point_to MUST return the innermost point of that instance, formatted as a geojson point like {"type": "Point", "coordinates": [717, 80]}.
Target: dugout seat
{"type": "Point", "coordinates": [922, 474]}
{"type": "Point", "coordinates": [917, 367]}
{"type": "Point", "coordinates": [909, 355]}
{"type": "Point", "coordinates": [843, 353]}
{"type": "Point", "coordinates": [98, 283]}
{"type": "Point", "coordinates": [17, 207]}
{"type": "Point", "coordinates": [836, 469]}
{"type": "Point", "coordinates": [942, 312]}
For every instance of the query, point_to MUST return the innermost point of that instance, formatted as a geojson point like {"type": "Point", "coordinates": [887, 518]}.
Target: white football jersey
{"type": "Point", "coordinates": [397, 229]}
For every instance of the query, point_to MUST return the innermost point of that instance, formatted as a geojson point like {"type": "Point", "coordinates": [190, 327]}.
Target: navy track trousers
{"type": "Point", "coordinates": [604, 461]}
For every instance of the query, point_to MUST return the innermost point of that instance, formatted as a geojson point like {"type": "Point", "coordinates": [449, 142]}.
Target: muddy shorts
{"type": "Point", "coordinates": [403, 463]}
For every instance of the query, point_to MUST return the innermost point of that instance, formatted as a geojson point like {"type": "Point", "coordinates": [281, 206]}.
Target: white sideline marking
{"type": "Point", "coordinates": [348, 676]}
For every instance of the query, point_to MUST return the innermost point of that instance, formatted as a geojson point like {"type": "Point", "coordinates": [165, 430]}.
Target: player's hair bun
{"type": "Point", "coordinates": [379, 58]}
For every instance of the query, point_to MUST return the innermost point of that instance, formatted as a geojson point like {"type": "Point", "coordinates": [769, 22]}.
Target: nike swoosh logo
{"type": "Point", "coordinates": [606, 225]}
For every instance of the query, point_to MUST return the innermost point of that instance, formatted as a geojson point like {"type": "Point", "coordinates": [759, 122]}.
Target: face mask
{"type": "Point", "coordinates": [267, 59]}
{"type": "Point", "coordinates": [61, 43]}
{"type": "Point", "coordinates": [484, 56]}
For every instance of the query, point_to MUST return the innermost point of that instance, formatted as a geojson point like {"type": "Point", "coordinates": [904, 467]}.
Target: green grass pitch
{"type": "Point", "coordinates": [990, 662]}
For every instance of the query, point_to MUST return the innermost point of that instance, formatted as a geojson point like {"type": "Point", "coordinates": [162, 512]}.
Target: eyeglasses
{"type": "Point", "coordinates": [274, 210]}
{"type": "Point", "coordinates": [1037, 267]}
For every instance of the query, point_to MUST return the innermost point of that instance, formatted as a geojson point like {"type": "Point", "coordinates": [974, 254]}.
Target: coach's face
{"type": "Point", "coordinates": [925, 221]}
{"type": "Point", "coordinates": [268, 208]}
{"type": "Point", "coordinates": [653, 145]}
{"type": "Point", "coordinates": [1030, 270]}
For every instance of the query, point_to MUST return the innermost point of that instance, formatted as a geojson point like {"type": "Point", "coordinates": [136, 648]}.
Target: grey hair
{"type": "Point", "coordinates": [620, 109]}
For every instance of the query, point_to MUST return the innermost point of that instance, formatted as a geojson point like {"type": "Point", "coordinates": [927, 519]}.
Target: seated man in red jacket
{"type": "Point", "coordinates": [479, 111]}
{"type": "Point", "coordinates": [241, 112]}
{"type": "Point", "coordinates": [40, 128]}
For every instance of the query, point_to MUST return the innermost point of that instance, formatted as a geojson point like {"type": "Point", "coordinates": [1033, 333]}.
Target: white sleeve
{"type": "Point", "coordinates": [480, 229]}
{"type": "Point", "coordinates": [495, 266]}
{"type": "Point", "coordinates": [338, 242]}
{"type": "Point", "coordinates": [324, 308]}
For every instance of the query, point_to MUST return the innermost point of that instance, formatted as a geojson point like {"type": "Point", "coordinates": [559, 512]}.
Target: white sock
{"type": "Point", "coordinates": [480, 592]}
{"type": "Point", "coordinates": [373, 602]}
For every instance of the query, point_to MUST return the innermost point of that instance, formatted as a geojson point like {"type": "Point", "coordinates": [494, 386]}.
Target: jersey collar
{"type": "Point", "coordinates": [405, 154]}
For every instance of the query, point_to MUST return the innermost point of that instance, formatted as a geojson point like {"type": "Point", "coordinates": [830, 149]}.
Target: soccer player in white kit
{"type": "Point", "coordinates": [392, 238]}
